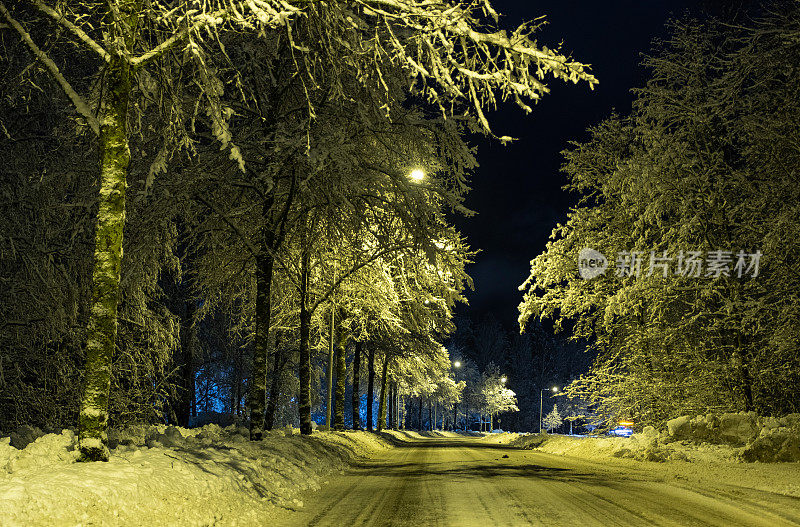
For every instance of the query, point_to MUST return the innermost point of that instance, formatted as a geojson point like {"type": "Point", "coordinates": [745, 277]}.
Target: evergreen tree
{"type": "Point", "coordinates": [553, 419]}
{"type": "Point", "coordinates": [692, 169]}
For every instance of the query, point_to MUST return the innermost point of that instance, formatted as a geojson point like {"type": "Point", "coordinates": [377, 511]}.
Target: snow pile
{"type": "Point", "coordinates": [729, 437]}
{"type": "Point", "coordinates": [764, 439]}
{"type": "Point", "coordinates": [25, 435]}
{"type": "Point", "coordinates": [162, 475]}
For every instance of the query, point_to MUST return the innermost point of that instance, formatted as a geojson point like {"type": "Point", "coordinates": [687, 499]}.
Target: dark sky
{"type": "Point", "coordinates": [517, 189]}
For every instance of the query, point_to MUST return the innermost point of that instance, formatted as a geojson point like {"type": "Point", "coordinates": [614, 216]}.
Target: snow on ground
{"type": "Point", "coordinates": [162, 475]}
{"type": "Point", "coordinates": [406, 435]}
{"type": "Point", "coordinates": [171, 476]}
{"type": "Point", "coordinates": [740, 449]}
{"type": "Point", "coordinates": [701, 464]}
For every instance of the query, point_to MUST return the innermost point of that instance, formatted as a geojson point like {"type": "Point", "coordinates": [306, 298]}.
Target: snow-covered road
{"type": "Point", "coordinates": [464, 482]}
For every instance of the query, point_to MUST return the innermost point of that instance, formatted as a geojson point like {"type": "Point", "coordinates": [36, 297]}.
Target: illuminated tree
{"type": "Point", "coordinates": [144, 50]}
{"type": "Point", "coordinates": [700, 165]}
{"type": "Point", "coordinates": [495, 398]}
{"type": "Point", "coordinates": [553, 419]}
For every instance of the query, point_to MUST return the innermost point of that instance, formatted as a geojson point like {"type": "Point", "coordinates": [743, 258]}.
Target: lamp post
{"type": "Point", "coordinates": [456, 366]}
{"type": "Point", "coordinates": [541, 397]}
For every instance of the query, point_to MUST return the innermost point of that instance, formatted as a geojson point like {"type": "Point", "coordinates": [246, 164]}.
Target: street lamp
{"type": "Point", "coordinates": [417, 175]}
{"type": "Point", "coordinates": [541, 396]}
{"type": "Point", "coordinates": [503, 379]}
{"type": "Point", "coordinates": [456, 366]}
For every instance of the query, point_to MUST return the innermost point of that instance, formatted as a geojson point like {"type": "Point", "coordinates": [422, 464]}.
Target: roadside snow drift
{"type": "Point", "coordinates": [161, 475]}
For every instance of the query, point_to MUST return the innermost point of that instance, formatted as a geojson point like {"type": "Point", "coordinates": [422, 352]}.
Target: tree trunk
{"type": "Point", "coordinates": [382, 403]}
{"type": "Point", "coordinates": [258, 377]}
{"type": "Point", "coordinates": [237, 404]}
{"type": "Point", "coordinates": [278, 362]}
{"type": "Point", "coordinates": [419, 415]}
{"type": "Point", "coordinates": [397, 404]}
{"type": "Point", "coordinates": [102, 327]}
{"type": "Point", "coordinates": [185, 399]}
{"type": "Point", "coordinates": [356, 398]}
{"type": "Point", "coordinates": [304, 399]}
{"type": "Point", "coordinates": [341, 377]}
{"type": "Point", "coordinates": [390, 405]}
{"type": "Point", "coordinates": [370, 385]}
{"type": "Point", "coordinates": [430, 415]}
{"type": "Point", "coordinates": [331, 358]}
{"type": "Point", "coordinates": [395, 423]}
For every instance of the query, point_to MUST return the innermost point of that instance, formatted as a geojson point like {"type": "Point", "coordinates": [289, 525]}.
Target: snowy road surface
{"type": "Point", "coordinates": [465, 482]}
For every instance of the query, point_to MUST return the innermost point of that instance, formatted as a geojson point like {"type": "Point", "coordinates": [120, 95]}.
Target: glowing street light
{"type": "Point", "coordinates": [541, 392]}
{"type": "Point", "coordinates": [417, 175]}
{"type": "Point", "coordinates": [457, 364]}
{"type": "Point", "coordinates": [503, 379]}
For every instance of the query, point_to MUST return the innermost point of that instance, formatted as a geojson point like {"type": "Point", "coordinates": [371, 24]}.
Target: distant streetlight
{"type": "Point", "coordinates": [457, 364]}
{"type": "Point", "coordinates": [541, 396]}
{"type": "Point", "coordinates": [417, 175]}
{"type": "Point", "coordinates": [503, 379]}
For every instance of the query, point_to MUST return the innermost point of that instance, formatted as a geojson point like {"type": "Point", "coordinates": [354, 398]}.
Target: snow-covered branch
{"type": "Point", "coordinates": [78, 32]}
{"type": "Point", "coordinates": [80, 105]}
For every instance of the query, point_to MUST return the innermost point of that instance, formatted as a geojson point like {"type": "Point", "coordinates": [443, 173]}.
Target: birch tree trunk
{"type": "Point", "coordinates": [114, 160]}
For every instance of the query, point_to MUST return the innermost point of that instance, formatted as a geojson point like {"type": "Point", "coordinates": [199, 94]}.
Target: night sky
{"type": "Point", "coordinates": [517, 188]}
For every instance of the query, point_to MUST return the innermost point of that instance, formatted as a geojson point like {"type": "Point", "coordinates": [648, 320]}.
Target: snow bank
{"type": "Point", "coordinates": [166, 476]}
{"type": "Point", "coordinates": [764, 439]}
{"type": "Point", "coordinates": [729, 437]}
{"type": "Point", "coordinates": [641, 447]}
